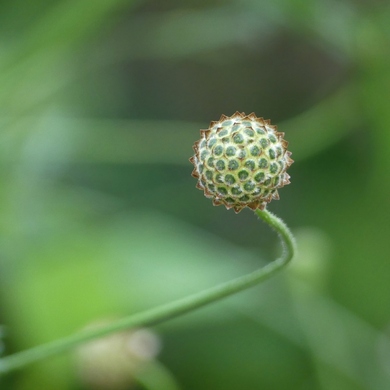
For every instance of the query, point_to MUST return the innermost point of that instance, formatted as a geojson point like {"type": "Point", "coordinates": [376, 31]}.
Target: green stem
{"type": "Point", "coordinates": [164, 312]}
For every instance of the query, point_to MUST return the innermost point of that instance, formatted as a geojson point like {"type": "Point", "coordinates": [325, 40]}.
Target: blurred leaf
{"type": "Point", "coordinates": [38, 64]}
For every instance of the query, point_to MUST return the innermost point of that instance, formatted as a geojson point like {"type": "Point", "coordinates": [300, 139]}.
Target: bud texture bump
{"type": "Point", "coordinates": [241, 161]}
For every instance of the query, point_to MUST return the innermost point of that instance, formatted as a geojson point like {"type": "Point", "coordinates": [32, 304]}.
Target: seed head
{"type": "Point", "coordinates": [241, 161]}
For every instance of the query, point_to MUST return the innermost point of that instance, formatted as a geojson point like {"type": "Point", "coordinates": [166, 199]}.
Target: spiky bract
{"type": "Point", "coordinates": [241, 161]}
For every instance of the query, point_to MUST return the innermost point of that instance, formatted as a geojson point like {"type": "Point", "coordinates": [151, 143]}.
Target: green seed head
{"type": "Point", "coordinates": [241, 161]}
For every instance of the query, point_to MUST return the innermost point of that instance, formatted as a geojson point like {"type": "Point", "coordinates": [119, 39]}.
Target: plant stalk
{"type": "Point", "coordinates": [164, 312]}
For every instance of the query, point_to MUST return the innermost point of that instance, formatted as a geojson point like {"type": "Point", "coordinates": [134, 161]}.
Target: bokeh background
{"type": "Point", "coordinates": [100, 103]}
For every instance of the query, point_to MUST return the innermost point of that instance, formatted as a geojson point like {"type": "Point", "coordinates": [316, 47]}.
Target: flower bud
{"type": "Point", "coordinates": [112, 362]}
{"type": "Point", "coordinates": [241, 161]}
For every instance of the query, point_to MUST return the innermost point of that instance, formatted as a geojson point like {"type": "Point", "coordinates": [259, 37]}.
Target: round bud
{"type": "Point", "coordinates": [241, 161]}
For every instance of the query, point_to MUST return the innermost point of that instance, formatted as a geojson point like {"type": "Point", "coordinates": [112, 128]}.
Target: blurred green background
{"type": "Point", "coordinates": [100, 103]}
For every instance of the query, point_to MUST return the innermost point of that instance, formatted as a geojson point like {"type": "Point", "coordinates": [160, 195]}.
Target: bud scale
{"type": "Point", "coordinates": [241, 161]}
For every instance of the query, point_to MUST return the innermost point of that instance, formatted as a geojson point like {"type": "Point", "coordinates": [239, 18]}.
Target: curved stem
{"type": "Point", "coordinates": [167, 311]}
